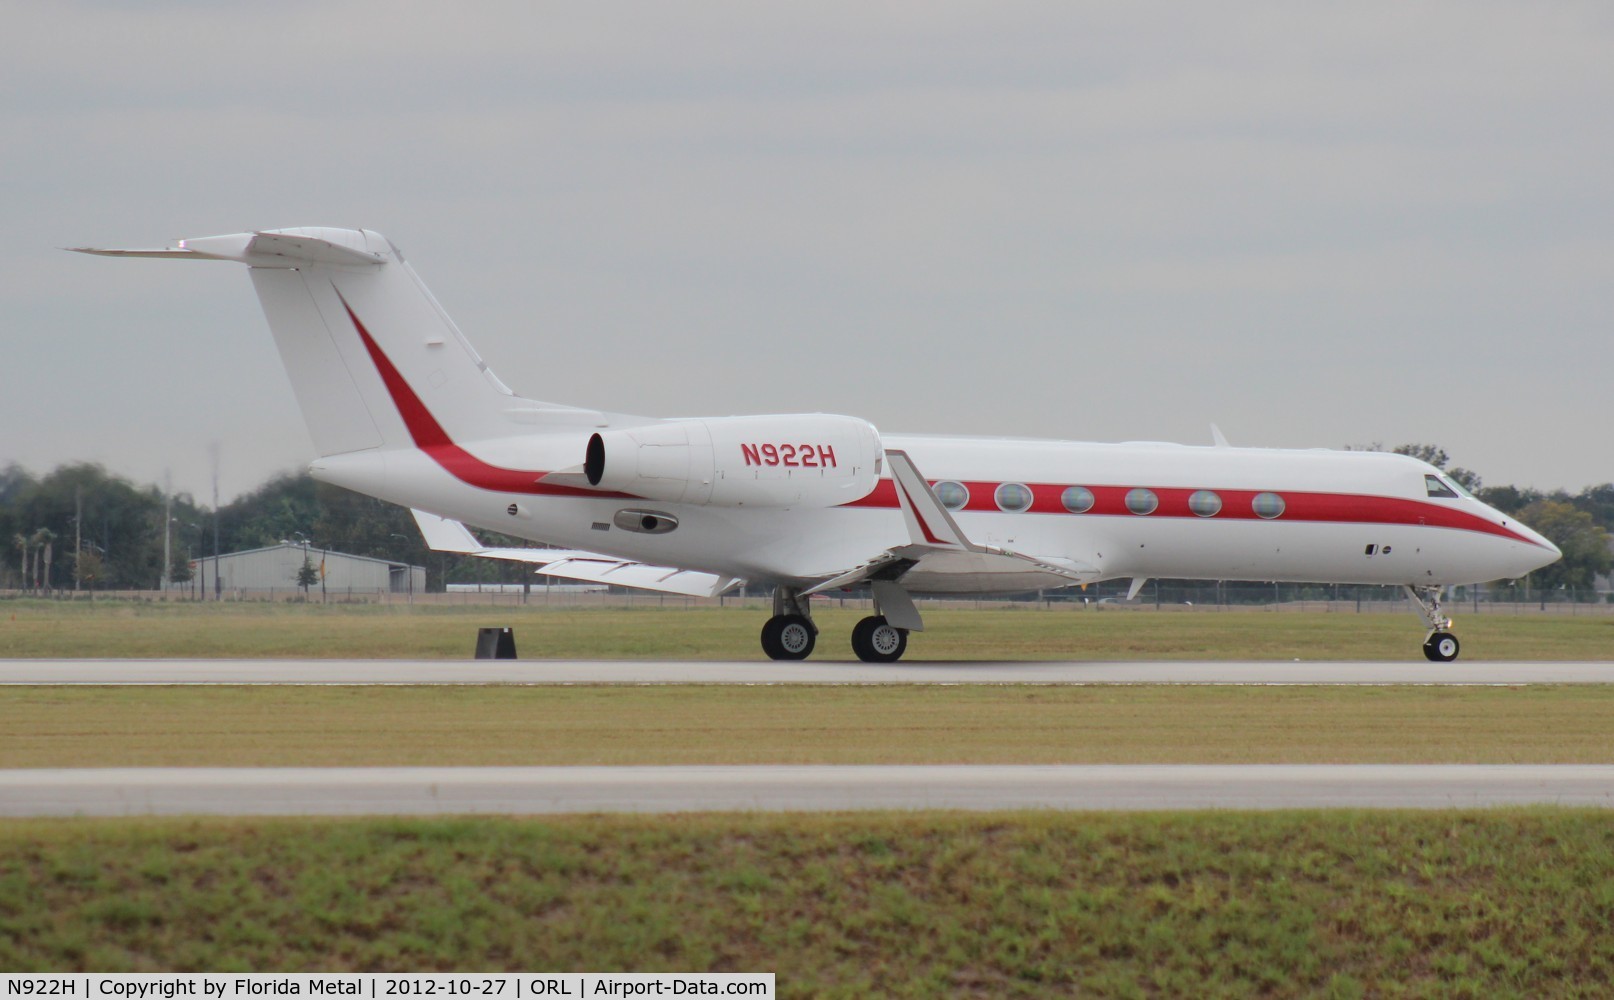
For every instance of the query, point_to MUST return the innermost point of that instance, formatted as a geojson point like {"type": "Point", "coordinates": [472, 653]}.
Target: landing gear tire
{"type": "Point", "coordinates": [874, 640]}
{"type": "Point", "coordinates": [788, 637]}
{"type": "Point", "coordinates": [1441, 647]}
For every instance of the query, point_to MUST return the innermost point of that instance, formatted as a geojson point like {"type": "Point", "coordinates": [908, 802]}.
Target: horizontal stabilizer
{"type": "Point", "coordinates": [267, 248]}
{"type": "Point", "coordinates": [176, 253]}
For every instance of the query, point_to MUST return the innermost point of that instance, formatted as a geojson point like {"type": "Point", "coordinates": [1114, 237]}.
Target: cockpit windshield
{"type": "Point", "coordinates": [1438, 487]}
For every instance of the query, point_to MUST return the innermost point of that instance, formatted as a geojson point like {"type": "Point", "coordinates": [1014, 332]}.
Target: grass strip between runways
{"type": "Point", "coordinates": [1494, 903]}
{"type": "Point", "coordinates": [248, 630]}
{"type": "Point", "coordinates": [261, 726]}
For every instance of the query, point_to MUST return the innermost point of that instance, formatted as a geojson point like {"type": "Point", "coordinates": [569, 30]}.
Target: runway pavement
{"type": "Point", "coordinates": [541, 790]}
{"type": "Point", "coordinates": [804, 672]}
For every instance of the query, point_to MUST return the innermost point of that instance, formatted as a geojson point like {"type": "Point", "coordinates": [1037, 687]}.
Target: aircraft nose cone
{"type": "Point", "coordinates": [1542, 553]}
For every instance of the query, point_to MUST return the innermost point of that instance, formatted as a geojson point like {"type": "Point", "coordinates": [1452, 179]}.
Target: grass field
{"type": "Point", "coordinates": [146, 629]}
{"type": "Point", "coordinates": [261, 726]}
{"type": "Point", "coordinates": [1500, 903]}
{"type": "Point", "coordinates": [1493, 903]}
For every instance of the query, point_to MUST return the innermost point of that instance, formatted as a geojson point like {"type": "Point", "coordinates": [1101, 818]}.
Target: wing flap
{"type": "Point", "coordinates": [974, 572]}
{"type": "Point", "coordinates": [642, 576]}
{"type": "Point", "coordinates": [444, 535]}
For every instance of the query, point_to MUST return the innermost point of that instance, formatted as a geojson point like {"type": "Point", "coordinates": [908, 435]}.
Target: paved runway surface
{"type": "Point", "coordinates": [767, 672]}
{"type": "Point", "coordinates": [531, 790]}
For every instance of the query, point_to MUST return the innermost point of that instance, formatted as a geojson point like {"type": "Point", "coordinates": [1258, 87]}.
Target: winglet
{"type": "Point", "coordinates": [929, 523]}
{"type": "Point", "coordinates": [1217, 438]}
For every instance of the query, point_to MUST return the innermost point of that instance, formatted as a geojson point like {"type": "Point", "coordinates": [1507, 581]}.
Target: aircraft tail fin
{"type": "Point", "coordinates": [374, 360]}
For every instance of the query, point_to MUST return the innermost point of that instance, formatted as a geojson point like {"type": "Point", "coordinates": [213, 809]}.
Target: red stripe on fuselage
{"type": "Point", "coordinates": [1237, 505]}
{"type": "Point", "coordinates": [430, 437]}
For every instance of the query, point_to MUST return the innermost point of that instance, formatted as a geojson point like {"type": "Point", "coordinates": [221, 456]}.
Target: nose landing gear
{"type": "Point", "coordinates": [1440, 645]}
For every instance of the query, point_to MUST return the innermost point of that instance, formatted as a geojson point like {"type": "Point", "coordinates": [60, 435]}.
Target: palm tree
{"type": "Point", "coordinates": [43, 539]}
{"type": "Point", "coordinates": [20, 540]}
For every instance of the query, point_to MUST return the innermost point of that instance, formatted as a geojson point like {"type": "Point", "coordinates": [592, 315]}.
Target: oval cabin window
{"type": "Point", "coordinates": [1205, 503]}
{"type": "Point", "coordinates": [1267, 505]}
{"type": "Point", "coordinates": [952, 495]}
{"type": "Point", "coordinates": [1077, 499]}
{"type": "Point", "coordinates": [1013, 497]}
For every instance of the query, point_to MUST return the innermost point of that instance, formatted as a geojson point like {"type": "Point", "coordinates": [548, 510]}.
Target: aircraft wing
{"type": "Point", "coordinates": [940, 558]}
{"type": "Point", "coordinates": [444, 535]}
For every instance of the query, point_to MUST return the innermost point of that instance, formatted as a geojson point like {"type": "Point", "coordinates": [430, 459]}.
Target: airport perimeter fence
{"type": "Point", "coordinates": [1168, 596]}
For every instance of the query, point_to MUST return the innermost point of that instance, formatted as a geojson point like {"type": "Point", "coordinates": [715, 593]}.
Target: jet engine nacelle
{"type": "Point", "coordinates": [789, 460]}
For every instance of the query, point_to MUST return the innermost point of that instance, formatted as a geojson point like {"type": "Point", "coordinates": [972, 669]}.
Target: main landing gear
{"type": "Point", "coordinates": [875, 640]}
{"type": "Point", "coordinates": [791, 635]}
{"type": "Point", "coordinates": [1440, 645]}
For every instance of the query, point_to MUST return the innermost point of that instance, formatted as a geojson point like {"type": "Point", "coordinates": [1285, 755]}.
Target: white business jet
{"type": "Point", "coordinates": [401, 407]}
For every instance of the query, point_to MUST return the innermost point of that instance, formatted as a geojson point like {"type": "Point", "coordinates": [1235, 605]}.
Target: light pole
{"type": "Point", "coordinates": [168, 529]}
{"type": "Point", "coordinates": [198, 565]}
{"type": "Point", "coordinates": [168, 556]}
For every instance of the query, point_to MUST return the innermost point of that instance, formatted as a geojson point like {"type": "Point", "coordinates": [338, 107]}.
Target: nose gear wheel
{"type": "Point", "coordinates": [1440, 646]}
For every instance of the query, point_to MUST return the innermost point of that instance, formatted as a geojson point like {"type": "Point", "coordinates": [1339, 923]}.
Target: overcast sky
{"type": "Point", "coordinates": [1315, 225]}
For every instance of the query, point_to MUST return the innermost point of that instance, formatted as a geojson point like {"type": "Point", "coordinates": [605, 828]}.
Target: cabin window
{"type": "Point", "coordinates": [1141, 501]}
{"type": "Point", "coordinates": [1205, 503]}
{"type": "Point", "coordinates": [952, 495]}
{"type": "Point", "coordinates": [1437, 488]}
{"type": "Point", "coordinates": [1013, 497]}
{"type": "Point", "coordinates": [1077, 499]}
{"type": "Point", "coordinates": [1267, 505]}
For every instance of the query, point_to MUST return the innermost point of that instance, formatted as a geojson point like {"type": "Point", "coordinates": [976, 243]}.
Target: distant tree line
{"type": "Point", "coordinates": [81, 527]}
